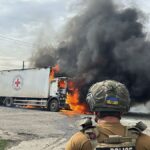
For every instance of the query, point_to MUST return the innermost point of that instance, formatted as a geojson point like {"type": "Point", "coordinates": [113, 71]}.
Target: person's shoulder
{"type": "Point", "coordinates": [79, 137]}
{"type": "Point", "coordinates": [144, 138]}
{"type": "Point", "coordinates": [78, 134]}
{"type": "Point", "coordinates": [143, 141]}
{"type": "Point", "coordinates": [78, 141]}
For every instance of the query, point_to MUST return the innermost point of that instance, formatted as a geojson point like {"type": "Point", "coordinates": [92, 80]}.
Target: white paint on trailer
{"type": "Point", "coordinates": [25, 83]}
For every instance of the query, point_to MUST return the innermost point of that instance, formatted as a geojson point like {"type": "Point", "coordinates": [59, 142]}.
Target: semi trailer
{"type": "Point", "coordinates": [33, 86]}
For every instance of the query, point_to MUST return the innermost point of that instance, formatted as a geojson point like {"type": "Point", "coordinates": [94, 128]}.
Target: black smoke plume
{"type": "Point", "coordinates": [102, 42]}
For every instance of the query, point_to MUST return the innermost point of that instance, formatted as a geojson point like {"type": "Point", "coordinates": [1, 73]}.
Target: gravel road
{"type": "Point", "coordinates": [42, 130]}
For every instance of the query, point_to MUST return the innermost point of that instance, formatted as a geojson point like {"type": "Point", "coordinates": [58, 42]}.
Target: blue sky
{"type": "Point", "coordinates": [24, 22]}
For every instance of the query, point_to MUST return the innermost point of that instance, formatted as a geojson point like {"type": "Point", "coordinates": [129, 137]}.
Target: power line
{"type": "Point", "coordinates": [16, 40]}
{"type": "Point", "coordinates": [12, 38]}
{"type": "Point", "coordinates": [18, 45]}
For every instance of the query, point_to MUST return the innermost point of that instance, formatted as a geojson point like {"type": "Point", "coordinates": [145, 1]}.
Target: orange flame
{"type": "Point", "coordinates": [73, 101]}
{"type": "Point", "coordinates": [56, 68]}
{"type": "Point", "coordinates": [62, 84]}
{"type": "Point", "coordinates": [71, 86]}
{"type": "Point", "coordinates": [29, 106]}
{"type": "Point", "coordinates": [52, 74]}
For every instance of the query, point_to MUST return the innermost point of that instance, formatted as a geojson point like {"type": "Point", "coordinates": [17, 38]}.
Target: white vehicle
{"type": "Point", "coordinates": [33, 87]}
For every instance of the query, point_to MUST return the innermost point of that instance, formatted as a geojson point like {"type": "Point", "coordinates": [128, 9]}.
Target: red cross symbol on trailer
{"type": "Point", "coordinates": [17, 82]}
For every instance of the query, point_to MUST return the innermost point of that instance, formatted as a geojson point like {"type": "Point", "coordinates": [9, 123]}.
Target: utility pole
{"type": "Point", "coordinates": [23, 65]}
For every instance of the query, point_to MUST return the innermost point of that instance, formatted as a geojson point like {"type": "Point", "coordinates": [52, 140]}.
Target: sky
{"type": "Point", "coordinates": [24, 24]}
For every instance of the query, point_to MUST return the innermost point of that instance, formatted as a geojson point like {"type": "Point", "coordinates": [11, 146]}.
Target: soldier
{"type": "Point", "coordinates": [109, 100]}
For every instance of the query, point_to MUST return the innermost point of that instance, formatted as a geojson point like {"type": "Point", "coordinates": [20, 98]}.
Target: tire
{"type": "Point", "coordinates": [2, 101]}
{"type": "Point", "coordinates": [8, 102]}
{"type": "Point", "coordinates": [53, 105]}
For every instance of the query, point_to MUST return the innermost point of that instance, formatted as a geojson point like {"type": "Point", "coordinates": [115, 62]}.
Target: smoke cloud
{"type": "Point", "coordinates": [102, 42]}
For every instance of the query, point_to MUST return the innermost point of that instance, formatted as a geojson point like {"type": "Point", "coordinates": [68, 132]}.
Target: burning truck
{"type": "Point", "coordinates": [35, 87]}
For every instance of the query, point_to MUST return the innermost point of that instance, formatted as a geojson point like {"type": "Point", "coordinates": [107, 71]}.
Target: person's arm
{"type": "Point", "coordinates": [143, 142]}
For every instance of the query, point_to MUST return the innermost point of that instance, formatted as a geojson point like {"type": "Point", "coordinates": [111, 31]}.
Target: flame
{"type": "Point", "coordinates": [29, 106]}
{"type": "Point", "coordinates": [62, 84]}
{"type": "Point", "coordinates": [52, 74]}
{"type": "Point", "coordinates": [71, 86]}
{"type": "Point", "coordinates": [56, 68]}
{"type": "Point", "coordinates": [73, 101]}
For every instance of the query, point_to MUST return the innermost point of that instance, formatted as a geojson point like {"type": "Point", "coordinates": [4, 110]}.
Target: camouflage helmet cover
{"type": "Point", "coordinates": [108, 95]}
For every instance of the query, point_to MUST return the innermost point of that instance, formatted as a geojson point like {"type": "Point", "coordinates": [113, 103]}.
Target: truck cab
{"type": "Point", "coordinates": [58, 94]}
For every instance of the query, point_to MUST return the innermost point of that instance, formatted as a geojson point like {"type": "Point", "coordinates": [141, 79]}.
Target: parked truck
{"type": "Point", "coordinates": [33, 87]}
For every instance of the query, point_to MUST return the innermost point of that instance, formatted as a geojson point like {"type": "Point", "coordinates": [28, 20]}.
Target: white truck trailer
{"type": "Point", "coordinates": [33, 87]}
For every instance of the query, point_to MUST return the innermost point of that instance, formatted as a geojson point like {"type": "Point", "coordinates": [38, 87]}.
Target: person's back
{"type": "Point", "coordinates": [109, 100]}
{"type": "Point", "coordinates": [106, 129]}
{"type": "Point", "coordinates": [80, 141]}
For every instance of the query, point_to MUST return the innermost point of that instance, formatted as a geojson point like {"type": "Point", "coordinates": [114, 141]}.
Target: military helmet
{"type": "Point", "coordinates": [108, 95]}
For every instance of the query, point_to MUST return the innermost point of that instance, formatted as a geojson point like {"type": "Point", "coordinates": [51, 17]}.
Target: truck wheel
{"type": "Point", "coordinates": [8, 102]}
{"type": "Point", "coordinates": [2, 101]}
{"type": "Point", "coordinates": [53, 105]}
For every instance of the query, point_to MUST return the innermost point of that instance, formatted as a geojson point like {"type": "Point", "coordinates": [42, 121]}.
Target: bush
{"type": "Point", "coordinates": [3, 144]}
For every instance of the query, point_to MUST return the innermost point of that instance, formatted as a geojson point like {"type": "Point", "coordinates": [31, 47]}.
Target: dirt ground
{"type": "Point", "coordinates": [42, 130]}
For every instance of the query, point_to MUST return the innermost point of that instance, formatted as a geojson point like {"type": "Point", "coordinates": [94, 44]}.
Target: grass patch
{"type": "Point", "coordinates": [3, 144]}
